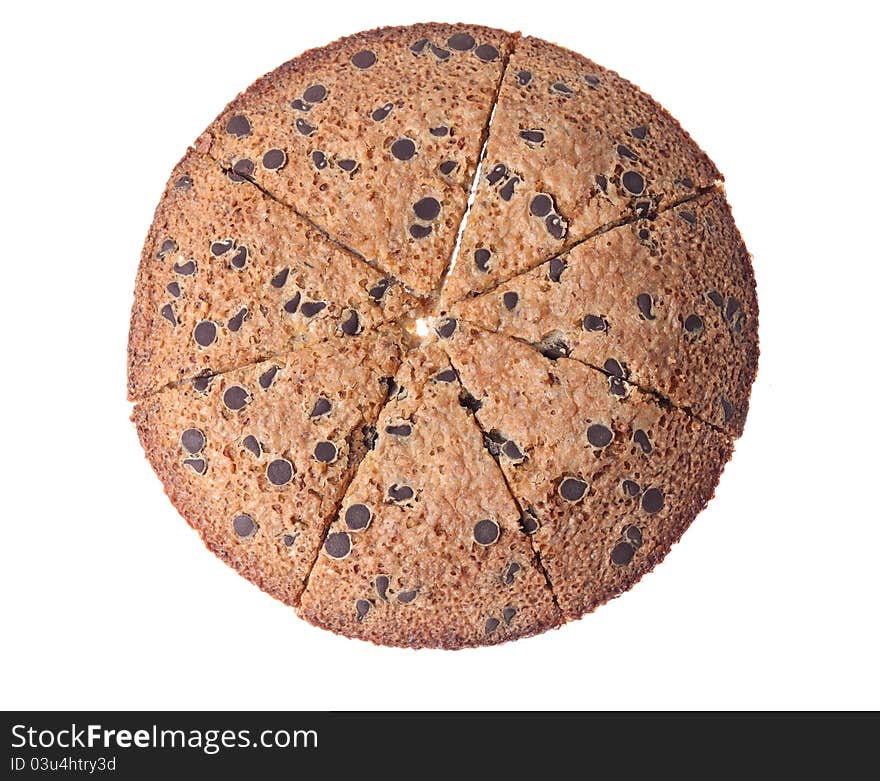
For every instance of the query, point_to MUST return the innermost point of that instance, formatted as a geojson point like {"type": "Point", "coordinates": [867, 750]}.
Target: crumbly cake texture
{"type": "Point", "coordinates": [375, 137]}
{"type": "Point", "coordinates": [591, 348]}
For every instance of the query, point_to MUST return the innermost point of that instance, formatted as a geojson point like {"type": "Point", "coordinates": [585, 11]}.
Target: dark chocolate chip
{"type": "Point", "coordinates": [243, 168]}
{"type": "Point", "coordinates": [726, 408]}
{"type": "Point", "coordinates": [634, 535]}
{"type": "Point", "coordinates": [481, 259]}
{"type": "Point", "coordinates": [186, 269]}
{"type": "Point", "coordinates": [556, 226]}
{"type": "Point", "coordinates": [493, 440]}
{"type": "Point", "coordinates": [486, 532]}
{"type": "Point", "coordinates": [419, 231]}
{"type": "Point", "coordinates": [593, 81]}
{"type": "Point", "coordinates": [311, 308]}
{"type": "Point", "coordinates": [486, 53]}
{"type": "Point", "coordinates": [685, 182]}
{"type": "Point", "coordinates": [251, 443]}
{"type": "Point", "coordinates": [322, 407]}
{"type": "Point", "coordinates": [169, 245]}
{"type": "Point", "coordinates": [630, 488]}
{"type": "Point", "coordinates": [512, 451]}
{"type": "Point", "coordinates": [267, 377]}
{"type": "Point", "coordinates": [192, 440]}
{"type": "Point", "coordinates": [235, 397]}
{"type": "Point", "coordinates": [622, 553]}
{"type": "Point", "coordinates": [640, 437]}
{"type": "Point", "coordinates": [507, 614]}
{"type": "Point", "coordinates": [491, 625]}
{"type": "Point", "coordinates": [461, 42]}
{"type": "Point", "coordinates": [381, 583]}
{"type": "Point", "coordinates": [280, 279]}
{"type": "Point", "coordinates": [358, 517]}
{"type": "Point", "coordinates": [403, 430]}
{"type": "Point", "coordinates": [205, 333]}
{"type": "Point", "coordinates": [715, 297]}
{"type": "Point", "coordinates": [498, 172]}
{"type": "Point", "coordinates": [325, 452]}
{"type": "Point", "coordinates": [731, 309]}
{"type": "Point", "coordinates": [419, 46]}
{"type": "Point", "coordinates": [300, 105]}
{"type": "Point", "coordinates": [293, 304]}
{"type": "Point", "coordinates": [470, 402]}
{"type": "Point", "coordinates": [382, 112]}
{"type": "Point", "coordinates": [183, 183]}
{"type": "Point", "coordinates": [427, 209]}
{"type": "Point", "coordinates": [553, 348]}
{"type": "Point", "coordinates": [304, 128]}
{"type": "Point", "coordinates": [688, 217]}
{"type": "Point", "coordinates": [400, 493]}
{"type": "Point", "coordinates": [562, 89]}
{"type": "Point", "coordinates": [625, 151]}
{"type": "Point", "coordinates": [347, 165]}
{"type": "Point", "coordinates": [315, 94]}
{"type": "Point", "coordinates": [541, 205]}
{"type": "Point", "coordinates": [532, 136]}
{"type": "Point", "coordinates": [244, 525]}
{"type": "Point", "coordinates": [405, 597]}
{"type": "Point", "coordinates": [599, 435]}
{"type": "Point", "coordinates": [238, 126]}
{"type": "Point", "coordinates": [167, 311]}
{"type": "Point", "coordinates": [337, 545]}
{"type": "Point", "coordinates": [378, 291]}
{"type": "Point", "coordinates": [528, 521]}
{"type": "Point", "coordinates": [555, 269]}
{"type": "Point", "coordinates": [201, 384]}
{"type": "Point", "coordinates": [447, 375]}
{"type": "Point", "coordinates": [693, 324]}
{"type": "Point", "coordinates": [523, 78]}
{"type": "Point", "coordinates": [634, 182]}
{"type": "Point", "coordinates": [274, 159]}
{"type": "Point", "coordinates": [173, 288]}
{"type": "Point", "coordinates": [510, 299]}
{"type": "Point", "coordinates": [447, 167]}
{"type": "Point", "coordinates": [240, 258]}
{"type": "Point", "coordinates": [644, 234]}
{"type": "Point", "coordinates": [510, 573]}
{"type": "Point", "coordinates": [602, 183]}
{"type": "Point", "coordinates": [236, 321]}
{"type": "Point", "coordinates": [572, 489]}
{"type": "Point", "coordinates": [507, 191]}
{"type": "Point", "coordinates": [364, 59]}
{"type": "Point", "coordinates": [351, 323]}
{"type": "Point", "coordinates": [362, 607]}
{"type": "Point", "coordinates": [615, 368]}
{"type": "Point", "coordinates": [279, 472]}
{"type": "Point", "coordinates": [289, 539]}
{"type": "Point", "coordinates": [594, 323]}
{"type": "Point", "coordinates": [447, 327]}
{"type": "Point", "coordinates": [319, 159]}
{"type": "Point", "coordinates": [617, 387]}
{"type": "Point", "coordinates": [652, 500]}
{"type": "Point", "coordinates": [645, 303]}
{"type": "Point", "coordinates": [403, 149]}
{"type": "Point", "coordinates": [219, 248]}
{"type": "Point", "coordinates": [640, 132]}
{"type": "Point", "coordinates": [440, 54]}
{"type": "Point", "coordinates": [198, 465]}
{"type": "Point", "coordinates": [439, 131]}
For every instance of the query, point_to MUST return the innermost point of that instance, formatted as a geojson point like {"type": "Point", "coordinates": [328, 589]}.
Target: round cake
{"type": "Point", "coordinates": [442, 335]}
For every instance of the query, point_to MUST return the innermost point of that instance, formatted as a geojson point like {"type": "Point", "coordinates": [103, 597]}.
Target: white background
{"type": "Point", "coordinates": [110, 601]}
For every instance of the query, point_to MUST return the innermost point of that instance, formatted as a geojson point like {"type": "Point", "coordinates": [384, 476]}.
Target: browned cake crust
{"type": "Point", "coordinates": [592, 352]}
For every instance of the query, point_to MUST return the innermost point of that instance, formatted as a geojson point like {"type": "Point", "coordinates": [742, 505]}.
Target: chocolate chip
{"type": "Point", "coordinates": [311, 308]}
{"type": "Point", "coordinates": [652, 500]}
{"type": "Point", "coordinates": [625, 151]}
{"type": "Point", "coordinates": [419, 46]}
{"type": "Point", "coordinates": [481, 259]}
{"type": "Point", "coordinates": [634, 182]}
{"type": "Point", "coordinates": [198, 465]}
{"type": "Point", "coordinates": [362, 607]}
{"type": "Point", "coordinates": [251, 443]}
{"type": "Point", "coordinates": [315, 94]}
{"type": "Point", "coordinates": [219, 248]}
{"type": "Point", "coordinates": [322, 407]}
{"type": "Point", "coordinates": [470, 402]}
{"type": "Point", "coordinates": [167, 311]}
{"type": "Point", "coordinates": [572, 489]}
{"type": "Point", "coordinates": [593, 81]}
{"type": "Point", "coordinates": [617, 387]}
{"type": "Point", "coordinates": [640, 132]}
{"type": "Point", "coordinates": [602, 183]}
{"type": "Point", "coordinates": [512, 451]}
{"type": "Point", "coordinates": [715, 297]}
{"type": "Point", "coordinates": [528, 521]}
{"type": "Point", "coordinates": [244, 525]}
{"type": "Point", "coordinates": [688, 217]}
{"type": "Point", "coordinates": [347, 165]}
{"type": "Point", "coordinates": [447, 327]}
{"type": "Point", "coordinates": [556, 267]}
{"type": "Point", "coordinates": [731, 309]}
{"type": "Point", "coordinates": [532, 136]}
{"type": "Point", "coordinates": [205, 333]}
{"type": "Point", "coordinates": [507, 614]}
{"type": "Point", "coordinates": [186, 269]}
{"type": "Point", "coordinates": [300, 105]}
{"type": "Point", "coordinates": [641, 439]}
{"type": "Point", "coordinates": [486, 532]}
{"type": "Point", "coordinates": [507, 191]}
{"type": "Point", "coordinates": [461, 42]}
{"type": "Point", "coordinates": [274, 159]}
{"type": "Point", "coordinates": [634, 535]}
{"type": "Point", "coordinates": [630, 488]}
{"type": "Point", "coordinates": [447, 167]}
{"type": "Point", "coordinates": [553, 348]}
{"type": "Point", "coordinates": [173, 288]}
{"type": "Point", "coordinates": [405, 597]}
{"type": "Point", "coordinates": [622, 554]}
{"type": "Point", "coordinates": [236, 321]}
{"type": "Point", "coordinates": [420, 231]}
{"type": "Point", "coordinates": [364, 59]}
{"type": "Point", "coordinates": [169, 245]}
{"type": "Point", "coordinates": [510, 299]}
{"type": "Point", "coordinates": [240, 258]}
{"type": "Point", "coordinates": [289, 539]}
{"type": "Point", "coordinates": [267, 377]}
{"type": "Point", "coordinates": [447, 375]}
{"type": "Point", "coordinates": [201, 384]}
{"type": "Point", "coordinates": [523, 78]}
{"type": "Point", "coordinates": [510, 573]}
{"type": "Point", "coordinates": [279, 472]}
{"type": "Point", "coordinates": [403, 430]}
{"type": "Point", "coordinates": [382, 112]}
{"type": "Point", "coordinates": [280, 279]}
{"type": "Point", "coordinates": [235, 397]}
{"type": "Point", "coordinates": [304, 128]}
{"type": "Point", "coordinates": [440, 54]}
{"type": "Point", "coordinates": [491, 625]}
{"type": "Point", "coordinates": [381, 583]}
{"type": "Point", "coordinates": [238, 126]}
{"type": "Point", "coordinates": [726, 408]}
{"type": "Point", "coordinates": [243, 168]}
{"type": "Point", "coordinates": [599, 435]}
{"type": "Point", "coordinates": [439, 131]}
{"type": "Point", "coordinates": [486, 53]}
{"type": "Point", "coordinates": [556, 226]}
{"type": "Point", "coordinates": [377, 292]}
{"type": "Point", "coordinates": [358, 517]}
{"type": "Point", "coordinates": [645, 303]}
{"type": "Point", "coordinates": [319, 160]}
{"type": "Point", "coordinates": [541, 205]}
{"type": "Point", "coordinates": [693, 324]}
{"type": "Point", "coordinates": [594, 323]}
{"type": "Point", "coordinates": [192, 440]}
{"type": "Point", "coordinates": [183, 183]}
{"type": "Point", "coordinates": [685, 182]}
{"type": "Point", "coordinates": [403, 149]}
{"type": "Point", "coordinates": [493, 440]}
{"type": "Point", "coordinates": [351, 323]}
{"type": "Point", "coordinates": [498, 172]}
{"type": "Point", "coordinates": [400, 493]}
{"type": "Point", "coordinates": [325, 452]}
{"type": "Point", "coordinates": [562, 89]}
{"type": "Point", "coordinates": [293, 304]}
{"type": "Point", "coordinates": [337, 545]}
{"type": "Point", "coordinates": [427, 209]}
{"type": "Point", "coordinates": [615, 368]}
